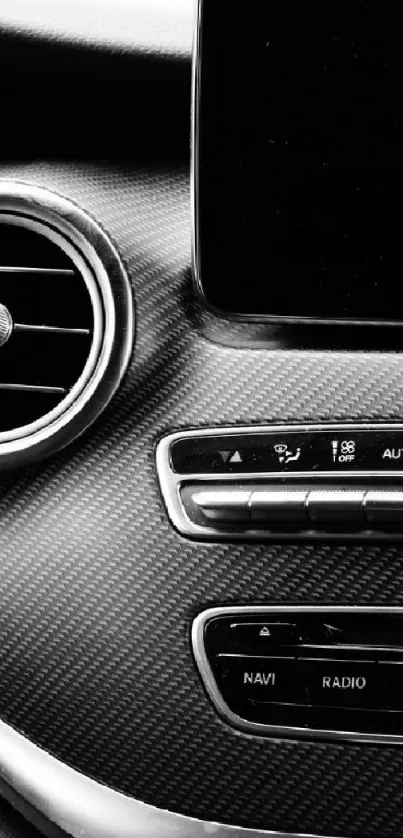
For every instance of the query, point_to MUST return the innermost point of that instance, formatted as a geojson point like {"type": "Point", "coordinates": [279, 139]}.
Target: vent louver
{"type": "Point", "coordinates": [57, 324]}
{"type": "Point", "coordinates": [51, 326]}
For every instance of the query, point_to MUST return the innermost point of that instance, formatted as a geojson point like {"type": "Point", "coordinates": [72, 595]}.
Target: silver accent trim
{"type": "Point", "coordinates": [4, 269]}
{"type": "Point", "coordinates": [390, 497]}
{"type": "Point", "coordinates": [112, 338]}
{"type": "Point", "coordinates": [236, 721]}
{"type": "Point", "coordinates": [81, 806]}
{"type": "Point", "coordinates": [336, 495]}
{"type": "Point", "coordinates": [194, 161]}
{"type": "Point", "coordinates": [172, 482]}
{"type": "Point", "coordinates": [33, 388]}
{"type": "Point", "coordinates": [224, 316]}
{"type": "Point", "coordinates": [53, 330]}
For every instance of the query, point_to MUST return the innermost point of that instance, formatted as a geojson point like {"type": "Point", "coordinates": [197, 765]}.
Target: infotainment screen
{"type": "Point", "coordinates": [298, 159]}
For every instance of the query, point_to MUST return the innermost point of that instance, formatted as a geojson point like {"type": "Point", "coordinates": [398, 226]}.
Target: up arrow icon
{"type": "Point", "coordinates": [231, 456]}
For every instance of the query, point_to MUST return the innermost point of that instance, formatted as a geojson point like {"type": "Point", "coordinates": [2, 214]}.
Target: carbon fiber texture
{"type": "Point", "coordinates": [97, 591]}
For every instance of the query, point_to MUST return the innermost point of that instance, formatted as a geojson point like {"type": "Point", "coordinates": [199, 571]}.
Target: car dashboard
{"type": "Point", "coordinates": [121, 713]}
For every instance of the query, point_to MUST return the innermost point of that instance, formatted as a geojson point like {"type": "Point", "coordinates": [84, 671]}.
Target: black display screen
{"type": "Point", "coordinates": [299, 170]}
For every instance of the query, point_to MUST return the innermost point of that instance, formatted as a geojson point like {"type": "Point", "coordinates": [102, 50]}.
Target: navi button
{"type": "Point", "coordinates": [261, 679]}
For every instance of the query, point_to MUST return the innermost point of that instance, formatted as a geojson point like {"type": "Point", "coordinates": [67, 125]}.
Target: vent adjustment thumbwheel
{"type": "Point", "coordinates": [66, 322]}
{"type": "Point", "coordinates": [6, 325]}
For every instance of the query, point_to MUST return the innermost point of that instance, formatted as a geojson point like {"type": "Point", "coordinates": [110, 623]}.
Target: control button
{"type": "Point", "coordinates": [279, 506]}
{"type": "Point", "coordinates": [391, 453]}
{"type": "Point", "coordinates": [224, 506]}
{"type": "Point", "coordinates": [384, 507]}
{"type": "Point", "coordinates": [333, 683]}
{"type": "Point", "coordinates": [286, 452]}
{"type": "Point", "coordinates": [212, 454]}
{"type": "Point", "coordinates": [265, 634]}
{"type": "Point", "coordinates": [340, 506]}
{"type": "Point", "coordinates": [250, 452]}
{"type": "Point", "coordinates": [344, 451]}
{"type": "Point", "coordinates": [364, 630]}
{"type": "Point", "coordinates": [261, 679]}
{"type": "Point", "coordinates": [391, 686]}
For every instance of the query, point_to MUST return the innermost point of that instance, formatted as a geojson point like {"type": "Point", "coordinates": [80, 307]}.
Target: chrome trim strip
{"type": "Point", "coordinates": [236, 721]}
{"type": "Point", "coordinates": [80, 806]}
{"type": "Point", "coordinates": [34, 388]}
{"type": "Point", "coordinates": [194, 158]}
{"type": "Point", "coordinates": [171, 482]}
{"type": "Point", "coordinates": [41, 271]}
{"type": "Point", "coordinates": [53, 330]}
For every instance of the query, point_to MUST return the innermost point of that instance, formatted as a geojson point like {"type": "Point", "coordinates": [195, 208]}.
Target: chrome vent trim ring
{"type": "Point", "coordinates": [99, 266]}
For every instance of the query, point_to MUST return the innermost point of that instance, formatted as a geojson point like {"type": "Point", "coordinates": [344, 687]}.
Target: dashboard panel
{"type": "Point", "coordinates": [99, 592]}
{"type": "Point", "coordinates": [95, 581]}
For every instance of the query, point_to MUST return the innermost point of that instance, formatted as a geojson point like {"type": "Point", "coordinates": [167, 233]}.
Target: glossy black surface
{"type": "Point", "coordinates": [290, 451]}
{"type": "Point", "coordinates": [300, 169]}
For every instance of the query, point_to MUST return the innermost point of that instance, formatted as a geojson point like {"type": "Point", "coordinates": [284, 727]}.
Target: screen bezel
{"type": "Point", "coordinates": [200, 293]}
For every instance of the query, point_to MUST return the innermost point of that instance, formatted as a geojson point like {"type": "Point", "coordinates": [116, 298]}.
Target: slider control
{"type": "Point", "coordinates": [338, 506]}
{"type": "Point", "coordinates": [296, 508]}
{"type": "Point", "coordinates": [384, 507]}
{"type": "Point", "coordinates": [279, 506]}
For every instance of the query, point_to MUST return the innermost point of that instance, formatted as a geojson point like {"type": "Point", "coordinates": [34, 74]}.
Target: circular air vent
{"type": "Point", "coordinates": [66, 322]}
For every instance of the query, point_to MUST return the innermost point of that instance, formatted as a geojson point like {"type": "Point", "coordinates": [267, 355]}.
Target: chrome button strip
{"type": "Point", "coordinates": [205, 488]}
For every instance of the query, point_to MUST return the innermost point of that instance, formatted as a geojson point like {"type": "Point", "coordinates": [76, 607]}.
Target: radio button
{"type": "Point", "coordinates": [333, 683]}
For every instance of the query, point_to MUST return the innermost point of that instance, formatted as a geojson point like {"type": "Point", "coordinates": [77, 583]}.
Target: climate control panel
{"type": "Point", "coordinates": [284, 482]}
{"type": "Point", "coordinates": [323, 672]}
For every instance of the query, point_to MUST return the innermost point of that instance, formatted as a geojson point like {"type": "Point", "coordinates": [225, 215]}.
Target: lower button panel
{"type": "Point", "coordinates": [322, 672]}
